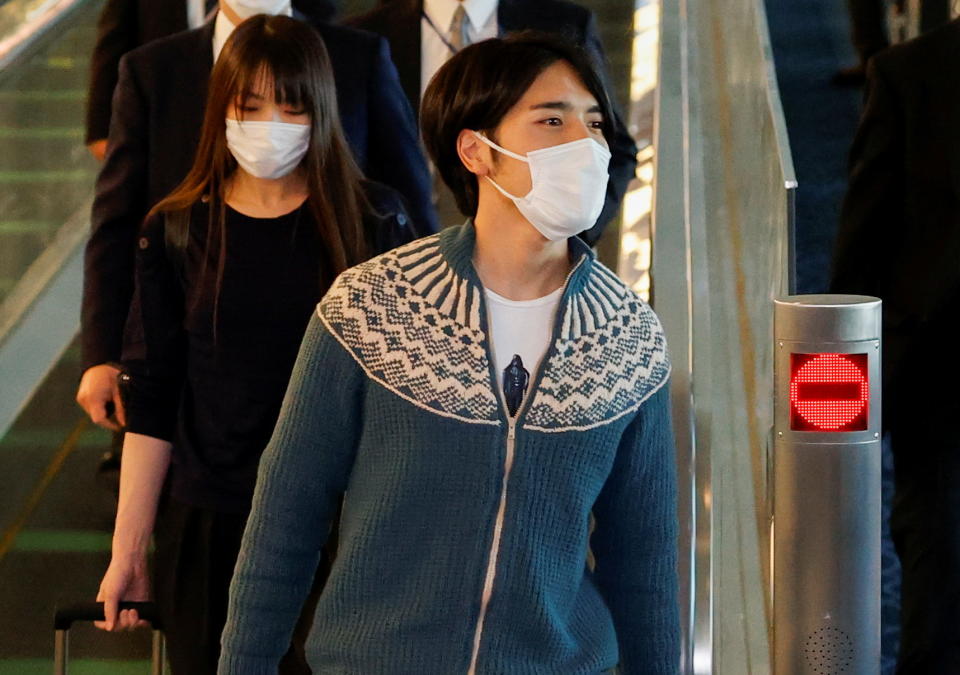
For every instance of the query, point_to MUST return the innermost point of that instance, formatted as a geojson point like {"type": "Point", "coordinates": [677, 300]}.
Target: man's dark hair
{"type": "Point", "coordinates": [479, 85]}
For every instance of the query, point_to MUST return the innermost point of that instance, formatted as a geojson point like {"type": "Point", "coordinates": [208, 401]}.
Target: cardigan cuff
{"type": "Point", "coordinates": [240, 664]}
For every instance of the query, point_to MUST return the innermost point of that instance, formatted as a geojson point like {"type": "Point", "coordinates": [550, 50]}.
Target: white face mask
{"type": "Point", "coordinates": [569, 184]}
{"type": "Point", "coordinates": [247, 8]}
{"type": "Point", "coordinates": [267, 149]}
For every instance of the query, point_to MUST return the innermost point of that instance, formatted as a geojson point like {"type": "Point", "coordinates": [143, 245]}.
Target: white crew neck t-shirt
{"type": "Point", "coordinates": [521, 327]}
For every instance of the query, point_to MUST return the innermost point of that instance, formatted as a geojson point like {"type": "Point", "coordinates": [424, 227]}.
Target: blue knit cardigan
{"type": "Point", "coordinates": [464, 533]}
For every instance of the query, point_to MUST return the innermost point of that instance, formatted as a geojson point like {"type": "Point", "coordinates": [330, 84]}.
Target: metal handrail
{"type": "Point", "coordinates": [779, 120]}
{"type": "Point", "coordinates": [39, 17]}
{"type": "Point", "coordinates": [39, 317]}
{"type": "Point", "coordinates": [706, 239]}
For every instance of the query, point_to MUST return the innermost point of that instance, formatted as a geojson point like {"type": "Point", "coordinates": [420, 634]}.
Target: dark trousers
{"type": "Point", "coordinates": [196, 550]}
{"type": "Point", "coordinates": [925, 526]}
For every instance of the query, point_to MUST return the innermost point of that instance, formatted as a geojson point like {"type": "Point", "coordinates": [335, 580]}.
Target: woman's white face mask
{"type": "Point", "coordinates": [569, 185]}
{"type": "Point", "coordinates": [269, 149]}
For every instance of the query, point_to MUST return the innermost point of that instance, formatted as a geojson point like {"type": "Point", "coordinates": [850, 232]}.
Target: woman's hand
{"type": "Point", "coordinates": [98, 390]}
{"type": "Point", "coordinates": [126, 579]}
{"type": "Point", "coordinates": [145, 462]}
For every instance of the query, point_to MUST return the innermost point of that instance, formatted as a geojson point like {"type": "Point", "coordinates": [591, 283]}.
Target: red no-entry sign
{"type": "Point", "coordinates": [829, 392]}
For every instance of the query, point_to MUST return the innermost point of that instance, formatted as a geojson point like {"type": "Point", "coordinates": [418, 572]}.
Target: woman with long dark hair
{"type": "Point", "coordinates": [229, 268]}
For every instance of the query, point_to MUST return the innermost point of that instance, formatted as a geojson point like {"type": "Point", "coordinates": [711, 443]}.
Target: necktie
{"type": "Point", "coordinates": [443, 200]}
{"type": "Point", "coordinates": [459, 38]}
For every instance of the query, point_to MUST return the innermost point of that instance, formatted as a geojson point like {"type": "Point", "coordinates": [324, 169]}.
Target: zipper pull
{"type": "Point", "coordinates": [516, 378]}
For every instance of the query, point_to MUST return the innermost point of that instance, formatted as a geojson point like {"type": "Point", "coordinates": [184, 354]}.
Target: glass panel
{"type": "Point", "coordinates": [46, 173]}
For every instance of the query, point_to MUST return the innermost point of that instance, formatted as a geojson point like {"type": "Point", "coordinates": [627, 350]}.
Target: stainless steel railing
{"type": "Point", "coordinates": [722, 250]}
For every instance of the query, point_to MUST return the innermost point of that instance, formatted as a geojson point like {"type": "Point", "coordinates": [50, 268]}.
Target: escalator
{"type": "Point", "coordinates": [56, 514]}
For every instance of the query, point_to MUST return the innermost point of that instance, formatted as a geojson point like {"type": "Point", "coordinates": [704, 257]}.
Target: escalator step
{"type": "Point", "coordinates": [42, 95]}
{"type": "Point", "coordinates": [77, 666]}
{"type": "Point", "coordinates": [47, 176]}
{"type": "Point", "coordinates": [42, 133]}
{"type": "Point", "coordinates": [62, 541]}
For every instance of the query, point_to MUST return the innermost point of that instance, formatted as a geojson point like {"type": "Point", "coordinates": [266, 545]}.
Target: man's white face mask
{"type": "Point", "coordinates": [569, 184]}
{"type": "Point", "coordinates": [247, 8]}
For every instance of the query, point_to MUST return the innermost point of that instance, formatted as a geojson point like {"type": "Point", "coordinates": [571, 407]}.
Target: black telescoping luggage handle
{"type": "Point", "coordinates": [66, 616]}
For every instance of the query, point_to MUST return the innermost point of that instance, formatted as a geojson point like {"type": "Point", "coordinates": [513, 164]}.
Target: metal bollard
{"type": "Point", "coordinates": [826, 486]}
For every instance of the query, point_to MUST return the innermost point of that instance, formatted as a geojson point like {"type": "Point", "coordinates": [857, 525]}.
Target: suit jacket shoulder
{"type": "Point", "coordinates": [556, 16]}
{"type": "Point", "coordinates": [175, 53]}
{"type": "Point", "coordinates": [920, 60]}
{"type": "Point", "coordinates": [348, 36]}
{"type": "Point", "coordinates": [385, 17]}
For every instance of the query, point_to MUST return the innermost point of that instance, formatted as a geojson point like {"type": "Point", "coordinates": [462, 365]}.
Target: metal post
{"type": "Point", "coordinates": [826, 492]}
{"type": "Point", "coordinates": [60, 647]}
{"type": "Point", "coordinates": [159, 653]}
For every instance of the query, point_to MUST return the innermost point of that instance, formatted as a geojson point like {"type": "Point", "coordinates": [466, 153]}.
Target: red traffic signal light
{"type": "Point", "coordinates": [829, 392]}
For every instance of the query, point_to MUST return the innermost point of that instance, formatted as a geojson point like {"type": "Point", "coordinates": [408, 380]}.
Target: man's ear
{"type": "Point", "coordinates": [474, 153]}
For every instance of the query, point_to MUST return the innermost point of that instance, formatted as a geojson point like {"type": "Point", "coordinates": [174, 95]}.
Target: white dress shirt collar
{"type": "Point", "coordinates": [441, 12]}
{"type": "Point", "coordinates": [223, 27]}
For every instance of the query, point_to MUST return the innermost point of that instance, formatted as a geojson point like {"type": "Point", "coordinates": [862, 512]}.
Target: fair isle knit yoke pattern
{"type": "Point", "coordinates": [414, 320]}
{"type": "Point", "coordinates": [464, 532]}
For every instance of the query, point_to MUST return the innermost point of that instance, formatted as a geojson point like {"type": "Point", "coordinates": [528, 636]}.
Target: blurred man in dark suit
{"type": "Point", "coordinates": [423, 34]}
{"type": "Point", "coordinates": [899, 239]}
{"type": "Point", "coordinates": [126, 24]}
{"type": "Point", "coordinates": [157, 113]}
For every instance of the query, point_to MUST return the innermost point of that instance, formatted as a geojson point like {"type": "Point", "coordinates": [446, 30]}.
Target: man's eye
{"type": "Point", "coordinates": [597, 124]}
{"type": "Point", "coordinates": [553, 121]}
{"type": "Point", "coordinates": [248, 108]}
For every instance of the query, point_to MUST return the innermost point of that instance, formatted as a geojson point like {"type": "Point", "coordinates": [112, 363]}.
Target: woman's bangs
{"type": "Point", "coordinates": [291, 83]}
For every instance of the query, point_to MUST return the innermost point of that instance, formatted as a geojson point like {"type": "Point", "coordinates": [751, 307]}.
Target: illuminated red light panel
{"type": "Point", "coordinates": [829, 392]}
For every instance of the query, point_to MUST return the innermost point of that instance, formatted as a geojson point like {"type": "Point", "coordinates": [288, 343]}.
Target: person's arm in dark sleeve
{"type": "Point", "coordinates": [154, 341]}
{"type": "Point", "coordinates": [623, 151]}
{"type": "Point", "coordinates": [873, 207]}
{"type": "Point", "coordinates": [302, 476]}
{"type": "Point", "coordinates": [394, 155]}
{"type": "Point", "coordinates": [388, 224]}
{"type": "Point", "coordinates": [154, 367]}
{"type": "Point", "coordinates": [116, 35]}
{"type": "Point", "coordinates": [635, 543]}
{"type": "Point", "coordinates": [119, 207]}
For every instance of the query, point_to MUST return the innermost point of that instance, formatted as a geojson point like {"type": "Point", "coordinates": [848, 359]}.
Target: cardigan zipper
{"type": "Point", "coordinates": [501, 510]}
{"type": "Point", "coordinates": [495, 547]}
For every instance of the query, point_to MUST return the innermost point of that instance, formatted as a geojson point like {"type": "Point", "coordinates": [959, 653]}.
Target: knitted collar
{"type": "Point", "coordinates": [441, 270]}
{"type": "Point", "coordinates": [457, 246]}
{"type": "Point", "coordinates": [413, 319]}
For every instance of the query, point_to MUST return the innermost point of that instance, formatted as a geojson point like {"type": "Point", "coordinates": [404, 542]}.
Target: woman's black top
{"type": "Point", "coordinates": [215, 393]}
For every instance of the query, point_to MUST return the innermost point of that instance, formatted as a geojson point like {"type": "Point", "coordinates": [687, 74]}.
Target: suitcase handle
{"type": "Point", "coordinates": [66, 616]}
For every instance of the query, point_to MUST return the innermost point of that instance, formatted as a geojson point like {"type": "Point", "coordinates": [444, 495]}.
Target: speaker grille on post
{"type": "Point", "coordinates": [829, 651]}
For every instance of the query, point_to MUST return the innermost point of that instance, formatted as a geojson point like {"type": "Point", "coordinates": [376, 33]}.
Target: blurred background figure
{"type": "Point", "coordinates": [868, 33]}
{"type": "Point", "coordinates": [155, 127]}
{"type": "Point", "coordinates": [423, 34]}
{"type": "Point", "coordinates": [899, 240]}
{"type": "Point", "coordinates": [126, 24]}
{"type": "Point", "coordinates": [875, 24]}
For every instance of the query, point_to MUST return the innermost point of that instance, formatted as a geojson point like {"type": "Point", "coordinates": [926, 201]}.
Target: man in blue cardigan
{"type": "Point", "coordinates": [474, 397]}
